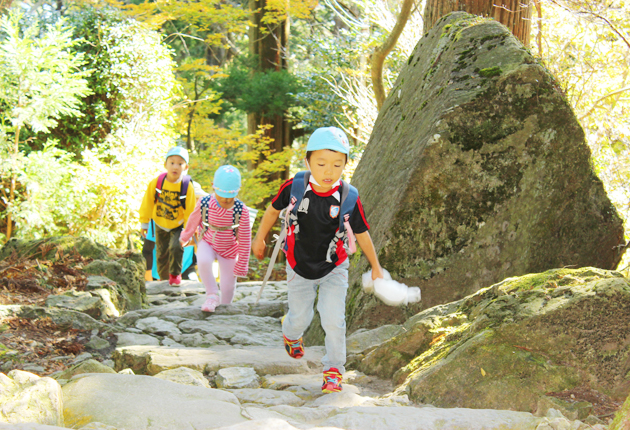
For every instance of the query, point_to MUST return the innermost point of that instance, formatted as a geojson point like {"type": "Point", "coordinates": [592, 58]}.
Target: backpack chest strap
{"type": "Point", "coordinates": [224, 228]}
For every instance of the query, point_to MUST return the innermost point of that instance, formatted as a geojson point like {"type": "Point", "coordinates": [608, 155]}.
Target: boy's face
{"type": "Point", "coordinates": [326, 167]}
{"type": "Point", "coordinates": [175, 166]}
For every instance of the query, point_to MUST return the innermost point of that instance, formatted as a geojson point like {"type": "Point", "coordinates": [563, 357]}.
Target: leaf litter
{"type": "Point", "coordinates": [39, 345]}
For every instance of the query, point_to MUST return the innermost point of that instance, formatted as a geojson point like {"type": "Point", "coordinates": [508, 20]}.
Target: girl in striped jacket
{"type": "Point", "coordinates": [223, 222]}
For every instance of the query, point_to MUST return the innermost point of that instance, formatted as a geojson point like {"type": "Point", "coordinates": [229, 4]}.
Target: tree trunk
{"type": "Point", "coordinates": [16, 150]}
{"type": "Point", "coordinates": [514, 14]}
{"type": "Point", "coordinates": [268, 43]}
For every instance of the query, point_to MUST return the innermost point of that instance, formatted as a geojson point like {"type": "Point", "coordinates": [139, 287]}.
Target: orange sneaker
{"type": "Point", "coordinates": [295, 348]}
{"type": "Point", "coordinates": [332, 381]}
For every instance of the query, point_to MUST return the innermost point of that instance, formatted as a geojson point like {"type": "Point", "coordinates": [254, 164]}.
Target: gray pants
{"type": "Point", "coordinates": [331, 306]}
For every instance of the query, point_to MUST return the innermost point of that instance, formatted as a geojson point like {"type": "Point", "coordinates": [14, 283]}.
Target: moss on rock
{"type": "Point", "coordinates": [52, 248]}
{"type": "Point", "coordinates": [508, 345]}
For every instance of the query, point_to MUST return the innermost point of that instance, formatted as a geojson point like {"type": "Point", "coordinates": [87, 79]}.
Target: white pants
{"type": "Point", "coordinates": [206, 255]}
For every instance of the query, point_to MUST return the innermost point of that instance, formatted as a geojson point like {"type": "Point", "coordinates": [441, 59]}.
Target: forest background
{"type": "Point", "coordinates": [94, 92]}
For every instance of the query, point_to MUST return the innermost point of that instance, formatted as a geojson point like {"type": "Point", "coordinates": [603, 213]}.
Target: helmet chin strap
{"type": "Point", "coordinates": [313, 180]}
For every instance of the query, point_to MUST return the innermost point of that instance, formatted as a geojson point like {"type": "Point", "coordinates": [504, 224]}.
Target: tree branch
{"type": "Point", "coordinates": [597, 16]}
{"type": "Point", "coordinates": [603, 98]}
{"type": "Point", "coordinates": [381, 52]}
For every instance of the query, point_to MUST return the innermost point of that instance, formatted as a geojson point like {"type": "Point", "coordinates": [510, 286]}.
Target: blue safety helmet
{"type": "Point", "coordinates": [227, 181]}
{"type": "Point", "coordinates": [331, 138]}
{"type": "Point", "coordinates": [177, 150]}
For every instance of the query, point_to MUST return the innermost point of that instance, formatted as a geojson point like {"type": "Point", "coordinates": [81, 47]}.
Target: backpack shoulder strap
{"type": "Point", "coordinates": [158, 186]}
{"type": "Point", "coordinates": [300, 181]}
{"type": "Point", "coordinates": [349, 197]}
{"type": "Point", "coordinates": [236, 215]}
{"type": "Point", "coordinates": [184, 190]}
{"type": "Point", "coordinates": [205, 207]}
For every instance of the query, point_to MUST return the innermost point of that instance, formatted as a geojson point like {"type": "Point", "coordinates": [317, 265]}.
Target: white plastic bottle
{"type": "Point", "coordinates": [390, 292]}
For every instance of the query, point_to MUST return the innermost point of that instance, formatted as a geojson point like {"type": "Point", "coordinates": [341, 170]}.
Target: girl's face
{"type": "Point", "coordinates": [175, 166]}
{"type": "Point", "coordinates": [326, 167]}
{"type": "Point", "coordinates": [224, 202]}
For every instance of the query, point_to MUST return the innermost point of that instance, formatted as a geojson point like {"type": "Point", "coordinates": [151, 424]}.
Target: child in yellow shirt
{"type": "Point", "coordinates": [169, 206]}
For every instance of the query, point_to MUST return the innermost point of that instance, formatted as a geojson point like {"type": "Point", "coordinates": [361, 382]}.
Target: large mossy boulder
{"type": "Point", "coordinates": [121, 273]}
{"type": "Point", "coordinates": [508, 345]}
{"type": "Point", "coordinates": [477, 170]}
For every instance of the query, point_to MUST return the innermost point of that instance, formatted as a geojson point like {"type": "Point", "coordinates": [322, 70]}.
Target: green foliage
{"type": "Point", "coordinates": [41, 78]}
{"type": "Point", "coordinates": [49, 202]}
{"type": "Point", "coordinates": [40, 82]}
{"type": "Point", "coordinates": [258, 269]}
{"type": "Point", "coordinates": [90, 180]}
{"type": "Point", "coordinates": [269, 93]}
{"type": "Point", "coordinates": [133, 84]}
{"type": "Point", "coordinates": [328, 63]}
{"type": "Point", "coordinates": [331, 54]}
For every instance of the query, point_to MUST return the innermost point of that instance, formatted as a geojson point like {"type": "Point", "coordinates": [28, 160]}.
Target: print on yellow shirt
{"type": "Point", "coordinates": [169, 205]}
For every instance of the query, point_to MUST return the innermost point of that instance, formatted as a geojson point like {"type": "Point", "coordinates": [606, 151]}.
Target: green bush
{"type": "Point", "coordinates": [133, 86]}
{"type": "Point", "coordinates": [87, 176]}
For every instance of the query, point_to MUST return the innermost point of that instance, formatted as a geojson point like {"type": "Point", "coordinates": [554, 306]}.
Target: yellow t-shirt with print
{"type": "Point", "coordinates": [167, 211]}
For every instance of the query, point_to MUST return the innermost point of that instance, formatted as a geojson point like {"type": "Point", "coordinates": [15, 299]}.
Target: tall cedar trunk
{"type": "Point", "coordinates": [269, 46]}
{"type": "Point", "coordinates": [514, 14]}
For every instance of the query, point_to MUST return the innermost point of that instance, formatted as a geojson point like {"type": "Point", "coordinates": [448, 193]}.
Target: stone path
{"type": "Point", "coordinates": [179, 368]}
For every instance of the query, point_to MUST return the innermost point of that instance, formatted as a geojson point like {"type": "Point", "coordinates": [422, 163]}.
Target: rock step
{"type": "Point", "coordinates": [150, 360]}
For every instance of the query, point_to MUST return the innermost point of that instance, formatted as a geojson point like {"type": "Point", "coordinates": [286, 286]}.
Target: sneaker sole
{"type": "Point", "coordinates": [326, 391]}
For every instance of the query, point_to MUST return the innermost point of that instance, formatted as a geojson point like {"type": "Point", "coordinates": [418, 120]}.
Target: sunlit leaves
{"type": "Point", "coordinates": [198, 102]}
{"type": "Point", "coordinates": [277, 11]}
{"type": "Point", "coordinates": [201, 15]}
{"type": "Point", "coordinates": [231, 147]}
{"type": "Point", "coordinates": [586, 46]}
{"type": "Point", "coordinates": [41, 78]}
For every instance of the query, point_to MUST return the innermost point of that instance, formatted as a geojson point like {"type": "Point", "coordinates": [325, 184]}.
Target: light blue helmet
{"type": "Point", "coordinates": [177, 150]}
{"type": "Point", "coordinates": [227, 181]}
{"type": "Point", "coordinates": [331, 138]}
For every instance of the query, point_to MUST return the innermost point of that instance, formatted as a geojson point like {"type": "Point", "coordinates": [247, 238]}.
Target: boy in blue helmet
{"type": "Point", "coordinates": [169, 201]}
{"type": "Point", "coordinates": [316, 258]}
